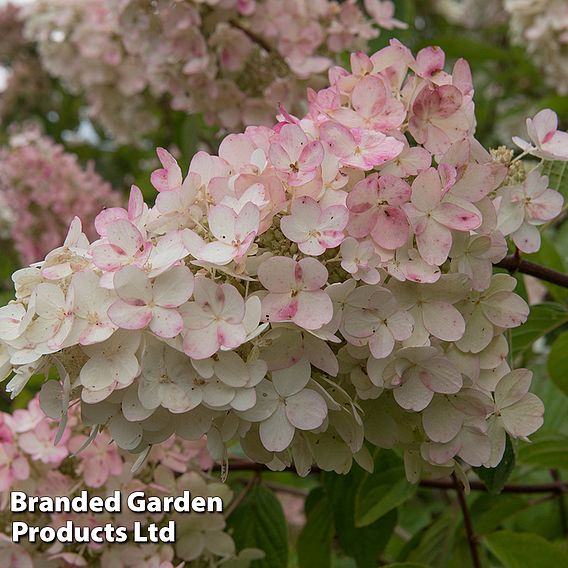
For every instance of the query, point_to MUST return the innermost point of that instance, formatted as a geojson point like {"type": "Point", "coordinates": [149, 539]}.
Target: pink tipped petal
{"type": "Point", "coordinates": [277, 274]}
{"type": "Point", "coordinates": [315, 309]}
{"type": "Point", "coordinates": [165, 322]}
{"type": "Point", "coordinates": [222, 223]}
{"type": "Point", "coordinates": [217, 253]}
{"type": "Point", "coordinates": [230, 335]}
{"type": "Point", "coordinates": [311, 156]}
{"type": "Point", "coordinates": [310, 274]}
{"type": "Point", "coordinates": [127, 316]}
{"type": "Point", "coordinates": [527, 238]}
{"type": "Point", "coordinates": [201, 343]}
{"type": "Point", "coordinates": [248, 220]}
{"type": "Point", "coordinates": [338, 138]}
{"type": "Point", "coordinates": [369, 96]}
{"type": "Point", "coordinates": [173, 288]}
{"type": "Point", "coordinates": [455, 217]}
{"type": "Point", "coordinates": [434, 242]}
{"type": "Point", "coordinates": [391, 228]}
{"type": "Point", "coordinates": [108, 216]}
{"type": "Point", "coordinates": [132, 286]}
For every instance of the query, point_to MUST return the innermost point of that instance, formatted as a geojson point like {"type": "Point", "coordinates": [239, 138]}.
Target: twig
{"type": "Point", "coordinates": [514, 263]}
{"type": "Point", "coordinates": [239, 498]}
{"type": "Point", "coordinates": [471, 538]}
{"type": "Point", "coordinates": [290, 489]}
{"type": "Point", "coordinates": [555, 474]}
{"type": "Point", "coordinates": [253, 37]}
{"type": "Point", "coordinates": [559, 487]}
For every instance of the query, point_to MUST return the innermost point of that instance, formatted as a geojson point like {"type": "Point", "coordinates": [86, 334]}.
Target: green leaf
{"type": "Point", "coordinates": [557, 173]}
{"type": "Point", "coordinates": [314, 542]}
{"type": "Point", "coordinates": [549, 256]}
{"type": "Point", "coordinates": [383, 490]}
{"type": "Point", "coordinates": [525, 550]}
{"type": "Point", "coordinates": [496, 477]}
{"type": "Point", "coordinates": [406, 565]}
{"type": "Point", "coordinates": [259, 522]}
{"type": "Point", "coordinates": [434, 545]}
{"type": "Point", "coordinates": [551, 452]}
{"type": "Point", "coordinates": [364, 544]}
{"type": "Point", "coordinates": [557, 363]}
{"type": "Point", "coordinates": [555, 403]}
{"type": "Point", "coordinates": [489, 512]}
{"type": "Point", "coordinates": [543, 319]}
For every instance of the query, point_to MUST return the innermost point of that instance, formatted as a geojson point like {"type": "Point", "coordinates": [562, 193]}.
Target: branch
{"type": "Point", "coordinates": [239, 498]}
{"type": "Point", "coordinates": [555, 474]}
{"type": "Point", "coordinates": [253, 37]}
{"type": "Point", "coordinates": [471, 538]}
{"type": "Point", "coordinates": [514, 263]}
{"type": "Point", "coordinates": [559, 487]}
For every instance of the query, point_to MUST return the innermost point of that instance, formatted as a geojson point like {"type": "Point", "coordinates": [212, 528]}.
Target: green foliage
{"type": "Point", "coordinates": [490, 512]}
{"type": "Point", "coordinates": [557, 172]}
{"type": "Point", "coordinates": [543, 319]}
{"type": "Point", "coordinates": [548, 255]}
{"type": "Point", "coordinates": [259, 522]}
{"type": "Point", "coordinates": [518, 550]}
{"type": "Point", "coordinates": [383, 490]}
{"type": "Point", "coordinates": [314, 543]}
{"type": "Point", "coordinates": [557, 363]}
{"type": "Point", "coordinates": [495, 478]}
{"type": "Point", "coordinates": [406, 565]}
{"type": "Point", "coordinates": [435, 543]}
{"type": "Point", "coordinates": [364, 544]}
{"type": "Point", "coordinates": [548, 452]}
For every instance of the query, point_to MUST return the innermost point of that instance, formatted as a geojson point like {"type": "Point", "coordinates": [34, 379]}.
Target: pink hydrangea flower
{"type": "Point", "coordinates": [39, 444]}
{"type": "Point", "coordinates": [375, 207]}
{"type": "Point", "coordinates": [123, 245]}
{"type": "Point", "coordinates": [294, 156]}
{"type": "Point", "coordinates": [439, 118]}
{"type": "Point", "coordinates": [359, 148]}
{"type": "Point", "coordinates": [98, 461]}
{"type": "Point", "coordinates": [549, 142]}
{"type": "Point", "coordinates": [13, 466]}
{"type": "Point", "coordinates": [234, 232]}
{"type": "Point", "coordinates": [374, 107]}
{"type": "Point", "coordinates": [214, 320]}
{"type": "Point", "coordinates": [144, 303]}
{"type": "Point", "coordinates": [295, 291]}
{"type": "Point", "coordinates": [314, 228]}
{"type": "Point", "coordinates": [433, 218]}
{"type": "Point", "coordinates": [524, 207]}
{"type": "Point", "coordinates": [45, 188]}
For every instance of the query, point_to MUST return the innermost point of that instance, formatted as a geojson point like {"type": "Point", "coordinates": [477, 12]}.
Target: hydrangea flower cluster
{"type": "Point", "coordinates": [542, 27]}
{"type": "Point", "coordinates": [42, 188]}
{"type": "Point", "coordinates": [315, 284]}
{"type": "Point", "coordinates": [472, 13]}
{"type": "Point", "coordinates": [24, 84]}
{"type": "Point", "coordinates": [233, 61]}
{"type": "Point", "coordinates": [29, 461]}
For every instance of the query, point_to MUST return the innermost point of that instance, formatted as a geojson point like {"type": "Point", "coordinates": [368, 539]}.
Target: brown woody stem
{"type": "Point", "coordinates": [470, 533]}
{"type": "Point", "coordinates": [513, 263]}
{"type": "Point", "coordinates": [559, 487]}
